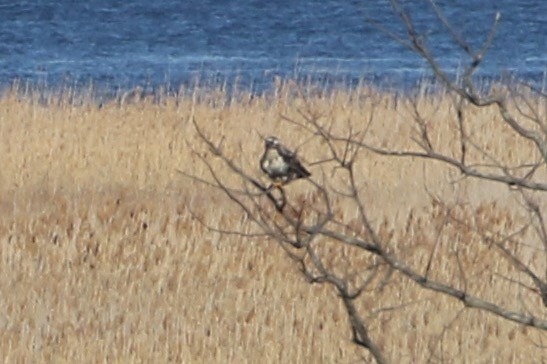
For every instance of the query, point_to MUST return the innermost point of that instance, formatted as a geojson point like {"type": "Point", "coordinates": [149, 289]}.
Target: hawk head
{"type": "Point", "coordinates": [271, 142]}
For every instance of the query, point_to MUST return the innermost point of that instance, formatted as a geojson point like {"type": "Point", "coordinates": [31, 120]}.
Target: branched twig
{"type": "Point", "coordinates": [295, 224]}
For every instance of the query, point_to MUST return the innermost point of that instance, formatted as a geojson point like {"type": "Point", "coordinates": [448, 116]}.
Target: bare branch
{"type": "Point", "coordinates": [304, 226]}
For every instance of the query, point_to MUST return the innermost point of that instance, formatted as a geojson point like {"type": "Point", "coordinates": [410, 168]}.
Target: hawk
{"type": "Point", "coordinates": [281, 164]}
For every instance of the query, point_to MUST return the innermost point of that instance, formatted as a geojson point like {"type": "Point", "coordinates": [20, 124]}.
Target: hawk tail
{"type": "Point", "coordinates": [302, 172]}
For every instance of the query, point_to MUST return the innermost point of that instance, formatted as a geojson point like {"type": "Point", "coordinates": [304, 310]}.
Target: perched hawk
{"type": "Point", "coordinates": [281, 164]}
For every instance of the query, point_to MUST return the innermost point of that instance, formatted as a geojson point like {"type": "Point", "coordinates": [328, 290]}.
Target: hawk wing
{"type": "Point", "coordinates": [286, 153]}
{"type": "Point", "coordinates": [296, 169]}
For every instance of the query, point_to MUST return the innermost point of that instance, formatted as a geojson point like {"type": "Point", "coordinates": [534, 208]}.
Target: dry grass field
{"type": "Point", "coordinates": [101, 259]}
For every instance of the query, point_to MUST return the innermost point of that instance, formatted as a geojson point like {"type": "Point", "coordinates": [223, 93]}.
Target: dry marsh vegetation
{"type": "Point", "coordinates": [104, 259]}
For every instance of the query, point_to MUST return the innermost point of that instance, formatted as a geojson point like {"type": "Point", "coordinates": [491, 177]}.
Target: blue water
{"type": "Point", "coordinates": [117, 45]}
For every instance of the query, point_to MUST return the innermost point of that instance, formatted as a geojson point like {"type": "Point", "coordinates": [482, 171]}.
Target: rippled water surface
{"type": "Point", "coordinates": [117, 44]}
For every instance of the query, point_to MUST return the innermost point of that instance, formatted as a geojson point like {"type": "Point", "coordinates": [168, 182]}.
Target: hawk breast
{"type": "Point", "coordinates": [274, 164]}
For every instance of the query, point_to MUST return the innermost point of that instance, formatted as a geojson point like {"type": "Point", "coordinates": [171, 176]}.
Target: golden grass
{"type": "Point", "coordinates": [101, 259]}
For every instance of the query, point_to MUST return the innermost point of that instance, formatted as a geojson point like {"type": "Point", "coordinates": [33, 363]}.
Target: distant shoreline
{"type": "Point", "coordinates": [238, 87]}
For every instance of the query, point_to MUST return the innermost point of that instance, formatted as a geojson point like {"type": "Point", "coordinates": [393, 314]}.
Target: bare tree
{"type": "Point", "coordinates": [305, 226]}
